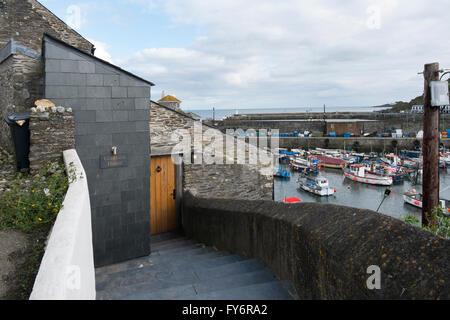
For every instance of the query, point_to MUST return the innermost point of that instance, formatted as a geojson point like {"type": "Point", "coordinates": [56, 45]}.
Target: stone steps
{"type": "Point", "coordinates": [179, 268]}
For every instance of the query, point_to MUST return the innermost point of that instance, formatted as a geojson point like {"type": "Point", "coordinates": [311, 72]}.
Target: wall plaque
{"type": "Point", "coordinates": [113, 161]}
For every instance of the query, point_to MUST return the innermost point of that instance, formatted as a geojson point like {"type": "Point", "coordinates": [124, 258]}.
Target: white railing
{"type": "Point", "coordinates": [67, 268]}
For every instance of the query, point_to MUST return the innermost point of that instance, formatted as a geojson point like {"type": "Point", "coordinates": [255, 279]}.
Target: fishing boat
{"type": "Point", "coordinates": [309, 165]}
{"type": "Point", "coordinates": [316, 185]}
{"type": "Point", "coordinates": [330, 162]}
{"type": "Point", "coordinates": [359, 173]}
{"type": "Point", "coordinates": [280, 173]}
{"type": "Point", "coordinates": [398, 174]}
{"type": "Point", "coordinates": [414, 198]}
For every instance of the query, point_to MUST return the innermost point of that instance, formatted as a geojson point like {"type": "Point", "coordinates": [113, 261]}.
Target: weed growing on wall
{"type": "Point", "coordinates": [31, 205]}
{"type": "Point", "coordinates": [440, 228]}
{"type": "Point", "coordinates": [33, 201]}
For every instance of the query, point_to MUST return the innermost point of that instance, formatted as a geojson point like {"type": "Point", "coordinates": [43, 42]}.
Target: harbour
{"type": "Point", "coordinates": [356, 194]}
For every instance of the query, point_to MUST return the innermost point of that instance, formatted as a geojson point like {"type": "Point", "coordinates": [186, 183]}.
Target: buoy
{"type": "Point", "coordinates": [416, 202]}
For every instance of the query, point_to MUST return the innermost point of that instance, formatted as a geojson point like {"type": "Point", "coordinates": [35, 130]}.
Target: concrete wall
{"type": "Point", "coordinates": [111, 108]}
{"type": "Point", "coordinates": [245, 181]}
{"type": "Point", "coordinates": [67, 268]}
{"type": "Point", "coordinates": [325, 250]}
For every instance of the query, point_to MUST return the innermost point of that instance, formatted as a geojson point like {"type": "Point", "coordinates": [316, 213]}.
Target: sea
{"type": "Point", "coordinates": [223, 113]}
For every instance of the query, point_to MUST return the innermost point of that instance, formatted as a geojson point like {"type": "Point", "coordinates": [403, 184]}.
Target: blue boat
{"type": "Point", "coordinates": [279, 173]}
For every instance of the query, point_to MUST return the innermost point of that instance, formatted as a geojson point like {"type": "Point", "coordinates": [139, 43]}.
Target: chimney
{"type": "Point", "coordinates": [162, 94]}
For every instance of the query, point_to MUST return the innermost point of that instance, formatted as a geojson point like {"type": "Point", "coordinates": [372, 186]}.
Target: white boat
{"type": "Point", "coordinates": [316, 185]}
{"type": "Point", "coordinates": [357, 172]}
{"type": "Point", "coordinates": [414, 198]}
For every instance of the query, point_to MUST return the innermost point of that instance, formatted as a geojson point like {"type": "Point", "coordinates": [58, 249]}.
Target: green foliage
{"type": "Point", "coordinates": [405, 106]}
{"type": "Point", "coordinates": [411, 219]}
{"type": "Point", "coordinates": [33, 202]}
{"type": "Point", "coordinates": [440, 226]}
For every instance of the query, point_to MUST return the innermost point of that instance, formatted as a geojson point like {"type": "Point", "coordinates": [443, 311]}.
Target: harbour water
{"type": "Point", "coordinates": [359, 195]}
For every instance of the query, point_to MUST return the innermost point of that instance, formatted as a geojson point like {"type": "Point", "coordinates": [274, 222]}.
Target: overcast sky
{"type": "Point", "coordinates": [263, 54]}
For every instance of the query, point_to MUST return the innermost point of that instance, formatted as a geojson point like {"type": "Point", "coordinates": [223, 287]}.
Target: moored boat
{"type": "Point", "coordinates": [414, 198]}
{"type": "Point", "coordinates": [316, 185]}
{"type": "Point", "coordinates": [280, 173]}
{"type": "Point", "coordinates": [330, 162]}
{"type": "Point", "coordinates": [309, 165]}
{"type": "Point", "coordinates": [358, 172]}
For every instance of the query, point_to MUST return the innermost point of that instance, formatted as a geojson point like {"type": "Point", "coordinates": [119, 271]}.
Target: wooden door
{"type": "Point", "coordinates": [163, 216]}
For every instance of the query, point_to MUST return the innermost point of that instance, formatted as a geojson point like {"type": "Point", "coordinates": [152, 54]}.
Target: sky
{"type": "Point", "coordinates": [236, 54]}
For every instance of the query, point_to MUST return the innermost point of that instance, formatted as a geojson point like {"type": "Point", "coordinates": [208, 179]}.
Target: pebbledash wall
{"type": "Point", "coordinates": [239, 181]}
{"type": "Point", "coordinates": [22, 26]}
{"type": "Point", "coordinates": [111, 108]}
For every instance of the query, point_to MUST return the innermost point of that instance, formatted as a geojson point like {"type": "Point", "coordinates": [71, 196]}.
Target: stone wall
{"type": "Point", "coordinates": [370, 144]}
{"type": "Point", "coordinates": [21, 76]}
{"type": "Point", "coordinates": [285, 123]}
{"type": "Point", "coordinates": [6, 101]}
{"type": "Point", "coordinates": [20, 85]}
{"type": "Point", "coordinates": [51, 133]}
{"type": "Point", "coordinates": [325, 250]}
{"type": "Point", "coordinates": [27, 21]}
{"type": "Point", "coordinates": [244, 181]}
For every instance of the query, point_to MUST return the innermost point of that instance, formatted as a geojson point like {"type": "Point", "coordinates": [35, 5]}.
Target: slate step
{"type": "Point", "coordinates": [176, 271]}
{"type": "Point", "coordinates": [170, 244]}
{"type": "Point", "coordinates": [238, 267]}
{"type": "Point", "coordinates": [155, 258]}
{"type": "Point", "coordinates": [179, 268]}
{"type": "Point", "coordinates": [274, 290]}
{"type": "Point", "coordinates": [165, 237]}
{"type": "Point", "coordinates": [180, 292]}
{"type": "Point", "coordinates": [177, 247]}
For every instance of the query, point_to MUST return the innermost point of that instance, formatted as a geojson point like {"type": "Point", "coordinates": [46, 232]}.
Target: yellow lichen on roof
{"type": "Point", "coordinates": [169, 98]}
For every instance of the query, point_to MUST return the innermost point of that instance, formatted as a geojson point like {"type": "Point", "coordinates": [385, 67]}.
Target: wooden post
{"type": "Point", "coordinates": [430, 147]}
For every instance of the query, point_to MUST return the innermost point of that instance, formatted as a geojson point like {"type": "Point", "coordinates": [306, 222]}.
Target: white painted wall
{"type": "Point", "coordinates": [67, 268]}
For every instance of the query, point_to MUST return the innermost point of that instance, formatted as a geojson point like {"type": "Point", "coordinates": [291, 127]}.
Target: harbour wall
{"type": "Point", "coordinates": [368, 144]}
{"type": "Point", "coordinates": [410, 123]}
{"type": "Point", "coordinates": [326, 251]}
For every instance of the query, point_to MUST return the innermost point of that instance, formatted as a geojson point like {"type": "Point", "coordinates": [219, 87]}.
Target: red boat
{"type": "Point", "coordinates": [330, 162]}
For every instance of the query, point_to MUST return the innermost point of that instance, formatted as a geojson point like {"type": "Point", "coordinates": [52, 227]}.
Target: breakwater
{"type": "Point", "coordinates": [410, 123]}
{"type": "Point", "coordinates": [369, 144]}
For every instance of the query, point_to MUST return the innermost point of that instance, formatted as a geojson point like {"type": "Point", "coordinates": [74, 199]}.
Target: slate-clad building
{"type": "Point", "coordinates": [111, 109]}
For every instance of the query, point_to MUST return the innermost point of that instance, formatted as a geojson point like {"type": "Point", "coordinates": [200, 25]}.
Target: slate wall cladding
{"type": "Point", "coordinates": [120, 197]}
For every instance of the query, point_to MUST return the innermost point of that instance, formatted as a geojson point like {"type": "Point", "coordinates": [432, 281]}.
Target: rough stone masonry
{"type": "Point", "coordinates": [24, 22]}
{"type": "Point", "coordinates": [51, 132]}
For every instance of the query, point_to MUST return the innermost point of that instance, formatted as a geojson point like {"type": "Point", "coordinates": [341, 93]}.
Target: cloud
{"type": "Point", "coordinates": [101, 50]}
{"type": "Point", "coordinates": [262, 53]}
